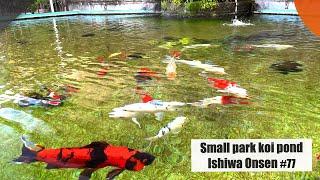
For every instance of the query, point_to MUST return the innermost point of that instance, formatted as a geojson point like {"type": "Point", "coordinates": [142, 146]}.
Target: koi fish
{"type": "Point", "coordinates": [145, 97]}
{"type": "Point", "coordinates": [229, 87]}
{"type": "Point", "coordinates": [173, 126]}
{"type": "Point", "coordinates": [274, 46]}
{"type": "Point", "coordinates": [121, 113]}
{"type": "Point", "coordinates": [222, 100]}
{"type": "Point", "coordinates": [114, 55]}
{"type": "Point", "coordinates": [102, 72]}
{"type": "Point", "coordinates": [194, 46]}
{"type": "Point", "coordinates": [25, 101]}
{"type": "Point", "coordinates": [199, 64]}
{"type": "Point", "coordinates": [154, 106]}
{"type": "Point", "coordinates": [175, 54]}
{"type": "Point", "coordinates": [205, 67]}
{"type": "Point", "coordinates": [235, 91]}
{"type": "Point", "coordinates": [52, 95]}
{"type": "Point", "coordinates": [145, 74]}
{"type": "Point", "coordinates": [171, 69]}
{"type": "Point", "coordinates": [221, 83]}
{"type": "Point", "coordinates": [244, 48]}
{"type": "Point", "coordinates": [55, 96]}
{"type": "Point", "coordinates": [91, 157]}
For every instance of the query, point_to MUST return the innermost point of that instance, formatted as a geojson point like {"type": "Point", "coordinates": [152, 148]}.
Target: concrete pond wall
{"type": "Point", "coordinates": [114, 5]}
{"type": "Point", "coordinates": [226, 8]}
{"type": "Point", "coordinates": [276, 7]}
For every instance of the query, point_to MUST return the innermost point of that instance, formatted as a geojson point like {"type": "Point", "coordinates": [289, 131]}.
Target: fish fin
{"type": "Point", "coordinates": [175, 131]}
{"type": "Point", "coordinates": [27, 156]}
{"type": "Point", "coordinates": [112, 174]}
{"type": "Point", "coordinates": [86, 173]}
{"type": "Point", "coordinates": [136, 121]}
{"type": "Point", "coordinates": [159, 116]}
{"type": "Point", "coordinates": [96, 144]}
{"type": "Point", "coordinates": [51, 166]}
{"type": "Point", "coordinates": [152, 138]}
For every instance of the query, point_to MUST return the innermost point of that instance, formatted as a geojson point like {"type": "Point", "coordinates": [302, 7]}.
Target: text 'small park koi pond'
{"type": "Point", "coordinates": [62, 78]}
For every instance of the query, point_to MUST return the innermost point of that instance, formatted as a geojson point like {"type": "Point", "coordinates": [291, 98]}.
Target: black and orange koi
{"type": "Point", "coordinates": [91, 157]}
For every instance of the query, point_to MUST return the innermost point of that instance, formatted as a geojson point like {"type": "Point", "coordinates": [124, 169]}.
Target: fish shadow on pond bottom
{"type": "Point", "coordinates": [88, 35]}
{"type": "Point", "coordinates": [286, 67]}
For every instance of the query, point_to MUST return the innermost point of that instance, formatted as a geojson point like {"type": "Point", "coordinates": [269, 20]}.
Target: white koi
{"type": "Point", "coordinates": [274, 46]}
{"type": "Point", "coordinates": [173, 126]}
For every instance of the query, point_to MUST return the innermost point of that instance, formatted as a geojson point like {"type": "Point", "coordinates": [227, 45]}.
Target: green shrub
{"type": "Point", "coordinates": [208, 5]}
{"type": "Point", "coordinates": [178, 2]}
{"type": "Point", "coordinates": [164, 5]}
{"type": "Point", "coordinates": [194, 7]}
{"type": "Point", "coordinates": [190, 5]}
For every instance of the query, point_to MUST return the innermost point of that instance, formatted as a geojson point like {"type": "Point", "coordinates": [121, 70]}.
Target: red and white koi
{"type": "Point", "coordinates": [236, 91]}
{"type": "Point", "coordinates": [229, 87]}
{"type": "Point", "coordinates": [175, 54]}
{"type": "Point", "coordinates": [154, 106]}
{"type": "Point", "coordinates": [198, 64]}
{"type": "Point", "coordinates": [278, 47]}
{"type": "Point", "coordinates": [222, 100]}
{"type": "Point", "coordinates": [171, 69]}
{"type": "Point", "coordinates": [221, 83]}
{"type": "Point", "coordinates": [194, 46]}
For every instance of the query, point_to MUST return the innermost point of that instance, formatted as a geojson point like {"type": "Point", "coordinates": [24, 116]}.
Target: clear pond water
{"type": "Point", "coordinates": [75, 50]}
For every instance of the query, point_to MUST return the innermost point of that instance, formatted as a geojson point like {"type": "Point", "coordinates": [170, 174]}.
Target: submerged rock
{"type": "Point", "coordinates": [287, 66]}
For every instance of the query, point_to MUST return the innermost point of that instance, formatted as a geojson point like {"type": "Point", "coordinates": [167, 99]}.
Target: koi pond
{"type": "Point", "coordinates": [90, 65]}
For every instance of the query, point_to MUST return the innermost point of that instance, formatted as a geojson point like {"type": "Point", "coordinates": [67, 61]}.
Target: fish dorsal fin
{"type": "Point", "coordinates": [96, 144]}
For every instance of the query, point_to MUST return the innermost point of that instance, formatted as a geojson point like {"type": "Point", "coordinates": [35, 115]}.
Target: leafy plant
{"type": "Point", "coordinates": [193, 7]}
{"type": "Point", "coordinates": [208, 4]}
{"type": "Point", "coordinates": [190, 5]}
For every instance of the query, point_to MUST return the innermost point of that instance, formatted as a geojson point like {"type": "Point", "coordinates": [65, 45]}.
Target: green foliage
{"type": "Point", "coordinates": [38, 4]}
{"type": "Point", "coordinates": [164, 5]}
{"type": "Point", "coordinates": [208, 5]}
{"type": "Point", "coordinates": [190, 5]}
{"type": "Point", "coordinates": [178, 2]}
{"type": "Point", "coordinates": [193, 7]}
{"type": "Point", "coordinates": [40, 1]}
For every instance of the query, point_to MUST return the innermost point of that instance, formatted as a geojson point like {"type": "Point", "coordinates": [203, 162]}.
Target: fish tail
{"type": "Point", "coordinates": [27, 156]}
{"type": "Point", "coordinates": [29, 151]}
